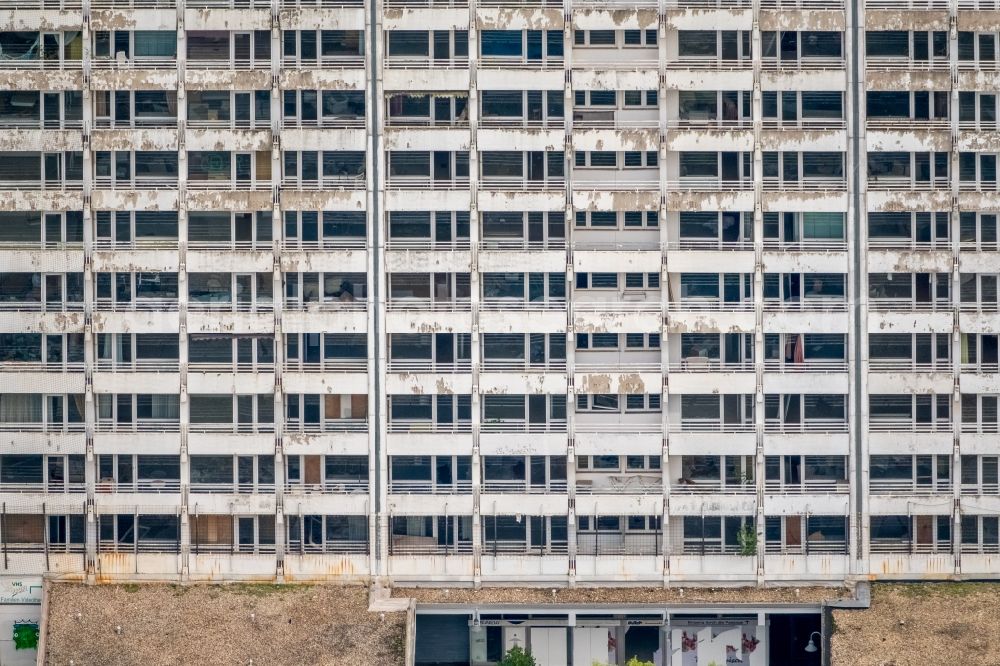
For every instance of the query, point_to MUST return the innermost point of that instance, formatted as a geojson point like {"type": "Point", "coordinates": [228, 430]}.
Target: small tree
{"type": "Point", "coordinates": [635, 661]}
{"type": "Point", "coordinates": [517, 657]}
{"type": "Point", "coordinates": [747, 540]}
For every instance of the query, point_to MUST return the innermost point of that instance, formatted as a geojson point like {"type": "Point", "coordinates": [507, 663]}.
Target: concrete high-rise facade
{"type": "Point", "coordinates": [688, 291]}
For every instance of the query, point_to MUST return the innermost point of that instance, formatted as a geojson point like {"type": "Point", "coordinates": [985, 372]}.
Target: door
{"type": "Point", "coordinates": [793, 531]}
{"type": "Point", "coordinates": [244, 168]}
{"type": "Point", "coordinates": [53, 169]}
{"type": "Point", "coordinates": [244, 292]}
{"type": "Point", "coordinates": [52, 110]}
{"type": "Point", "coordinates": [53, 230]}
{"type": "Point", "coordinates": [730, 167]}
{"type": "Point", "coordinates": [536, 412]}
{"type": "Point", "coordinates": [444, 349]}
{"type": "Point", "coordinates": [442, 165]}
{"type": "Point", "coordinates": [925, 530]}
{"type": "Point", "coordinates": [442, 110]}
{"type": "Point", "coordinates": [241, 109]}
{"type": "Point", "coordinates": [312, 470]}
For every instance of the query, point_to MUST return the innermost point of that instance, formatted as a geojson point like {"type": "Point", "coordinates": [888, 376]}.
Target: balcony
{"type": "Point", "coordinates": [522, 487]}
{"type": "Point", "coordinates": [429, 305]}
{"type": "Point", "coordinates": [428, 183]}
{"type": "Point", "coordinates": [702, 486]}
{"type": "Point", "coordinates": [329, 486]}
{"type": "Point", "coordinates": [139, 305]}
{"type": "Point", "coordinates": [805, 305]}
{"type": "Point", "coordinates": [522, 426]}
{"type": "Point", "coordinates": [522, 305]}
{"type": "Point", "coordinates": [709, 184]}
{"type": "Point", "coordinates": [133, 63]}
{"type": "Point", "coordinates": [808, 487]}
{"type": "Point", "coordinates": [232, 488]}
{"type": "Point", "coordinates": [521, 184]}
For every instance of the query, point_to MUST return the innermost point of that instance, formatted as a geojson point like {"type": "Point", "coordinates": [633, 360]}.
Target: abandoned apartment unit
{"type": "Point", "coordinates": [493, 291]}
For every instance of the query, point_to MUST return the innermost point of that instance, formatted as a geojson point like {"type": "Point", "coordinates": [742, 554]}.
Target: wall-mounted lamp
{"type": "Point", "coordinates": [811, 646]}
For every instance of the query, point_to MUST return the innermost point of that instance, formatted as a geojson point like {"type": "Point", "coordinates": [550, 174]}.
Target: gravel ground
{"type": "Point", "coordinates": [219, 624]}
{"type": "Point", "coordinates": [921, 624]}
{"type": "Point", "coordinates": [622, 595]}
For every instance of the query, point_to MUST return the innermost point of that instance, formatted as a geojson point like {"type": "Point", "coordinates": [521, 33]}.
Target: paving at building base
{"type": "Point", "coordinates": [121, 625]}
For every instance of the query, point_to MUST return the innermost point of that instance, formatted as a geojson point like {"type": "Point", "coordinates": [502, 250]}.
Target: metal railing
{"type": "Point", "coordinates": [616, 543]}
{"type": "Point", "coordinates": [518, 486]}
{"type": "Point", "coordinates": [231, 428]}
{"type": "Point", "coordinates": [41, 426]}
{"type": "Point", "coordinates": [105, 486]}
{"type": "Point", "coordinates": [429, 305]}
{"type": "Point", "coordinates": [808, 487]}
{"type": "Point", "coordinates": [341, 547]}
{"type": "Point", "coordinates": [427, 365]}
{"type": "Point", "coordinates": [331, 365]}
{"type": "Point", "coordinates": [904, 545]}
{"type": "Point", "coordinates": [328, 487]}
{"type": "Point", "coordinates": [807, 547]}
{"type": "Point", "coordinates": [420, 426]}
{"type": "Point", "coordinates": [522, 426]}
{"type": "Point", "coordinates": [709, 425]}
{"type": "Point", "coordinates": [400, 544]}
{"type": "Point", "coordinates": [145, 425]}
{"type": "Point", "coordinates": [909, 487]}
{"type": "Point", "coordinates": [883, 424]}
{"type": "Point", "coordinates": [712, 487]}
{"type": "Point", "coordinates": [52, 487]}
{"type": "Point", "coordinates": [412, 487]}
{"type": "Point", "coordinates": [907, 365]}
{"type": "Point", "coordinates": [231, 488]}
{"type": "Point", "coordinates": [807, 426]}
{"type": "Point", "coordinates": [329, 425]}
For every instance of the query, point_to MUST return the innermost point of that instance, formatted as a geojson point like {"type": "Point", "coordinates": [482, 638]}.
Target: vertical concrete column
{"type": "Point", "coordinates": [377, 424]}
{"type": "Point", "coordinates": [956, 335]}
{"type": "Point", "coordinates": [277, 237]}
{"type": "Point", "coordinates": [182, 291]}
{"type": "Point", "coordinates": [89, 343]}
{"type": "Point", "coordinates": [857, 242]}
{"type": "Point", "coordinates": [570, 329]}
{"type": "Point", "coordinates": [661, 68]}
{"type": "Point", "coordinates": [475, 290]}
{"type": "Point", "coordinates": [758, 286]}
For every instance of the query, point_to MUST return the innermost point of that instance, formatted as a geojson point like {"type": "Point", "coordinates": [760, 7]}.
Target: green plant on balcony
{"type": "Point", "coordinates": [517, 657]}
{"type": "Point", "coordinates": [635, 661]}
{"type": "Point", "coordinates": [747, 540]}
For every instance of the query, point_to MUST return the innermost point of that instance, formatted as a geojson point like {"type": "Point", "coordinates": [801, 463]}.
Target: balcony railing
{"type": "Point", "coordinates": [41, 426]}
{"type": "Point", "coordinates": [709, 184]}
{"type": "Point", "coordinates": [803, 64]}
{"type": "Point", "coordinates": [347, 182]}
{"type": "Point", "coordinates": [522, 426]}
{"type": "Point", "coordinates": [708, 63]}
{"type": "Point", "coordinates": [907, 365]}
{"type": "Point", "coordinates": [420, 426]}
{"type": "Point", "coordinates": [709, 305]}
{"type": "Point", "coordinates": [330, 305]}
{"type": "Point", "coordinates": [41, 366]}
{"type": "Point", "coordinates": [143, 546]}
{"type": "Point", "coordinates": [520, 547]}
{"type": "Point", "coordinates": [323, 62]}
{"type": "Point", "coordinates": [882, 304]}
{"type": "Point", "coordinates": [427, 365]}
{"type": "Point", "coordinates": [904, 545]}
{"type": "Point", "coordinates": [232, 428]}
{"type": "Point", "coordinates": [806, 305]}
{"type": "Point", "coordinates": [153, 486]}
{"type": "Point", "coordinates": [615, 543]}
{"type": "Point", "coordinates": [47, 64]}
{"type": "Point", "coordinates": [145, 425]}
{"type": "Point", "coordinates": [232, 488]}
{"type": "Point", "coordinates": [712, 487]}
{"type": "Point", "coordinates": [328, 487]}
{"type": "Point", "coordinates": [51, 185]}
{"type": "Point", "coordinates": [888, 424]}
{"type": "Point", "coordinates": [808, 487]}
{"type": "Point", "coordinates": [341, 547]}
{"type": "Point", "coordinates": [511, 122]}
{"type": "Point", "coordinates": [809, 547]}
{"type": "Point", "coordinates": [230, 184]}
{"type": "Point", "coordinates": [143, 305]}
{"type": "Point", "coordinates": [980, 428]}
{"type": "Point", "coordinates": [691, 425]}
{"type": "Point", "coordinates": [240, 64]}
{"type": "Point", "coordinates": [521, 184]}
{"type": "Point", "coordinates": [713, 365]}
{"type": "Point", "coordinates": [618, 427]}
{"type": "Point", "coordinates": [397, 62]}
{"type": "Point", "coordinates": [984, 488]}
{"type": "Point", "coordinates": [329, 425]}
{"type": "Point", "coordinates": [50, 486]}
{"type": "Point", "coordinates": [520, 62]}
{"type": "Point", "coordinates": [517, 486]}
{"type": "Point", "coordinates": [137, 62]}
{"type": "Point", "coordinates": [429, 305]}
{"type": "Point", "coordinates": [40, 306]}
{"type": "Point", "coordinates": [137, 183]}
{"type": "Point", "coordinates": [411, 487]}
{"type": "Point", "coordinates": [256, 367]}
{"type": "Point", "coordinates": [907, 184]}
{"type": "Point", "coordinates": [400, 544]}
{"type": "Point", "coordinates": [809, 365]}
{"type": "Point", "coordinates": [521, 305]}
{"type": "Point", "coordinates": [619, 484]}
{"type": "Point", "coordinates": [426, 183]}
{"type": "Point", "coordinates": [326, 365]}
{"type": "Point", "coordinates": [909, 487]}
{"type": "Point", "coordinates": [808, 426]}
{"type": "Point", "coordinates": [522, 365]}
{"type": "Point", "coordinates": [817, 184]}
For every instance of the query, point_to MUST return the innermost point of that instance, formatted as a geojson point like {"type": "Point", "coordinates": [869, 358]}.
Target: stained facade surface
{"type": "Point", "coordinates": [592, 291]}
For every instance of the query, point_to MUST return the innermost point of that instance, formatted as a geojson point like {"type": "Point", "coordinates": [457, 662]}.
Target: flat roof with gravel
{"type": "Point", "coordinates": [122, 625]}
